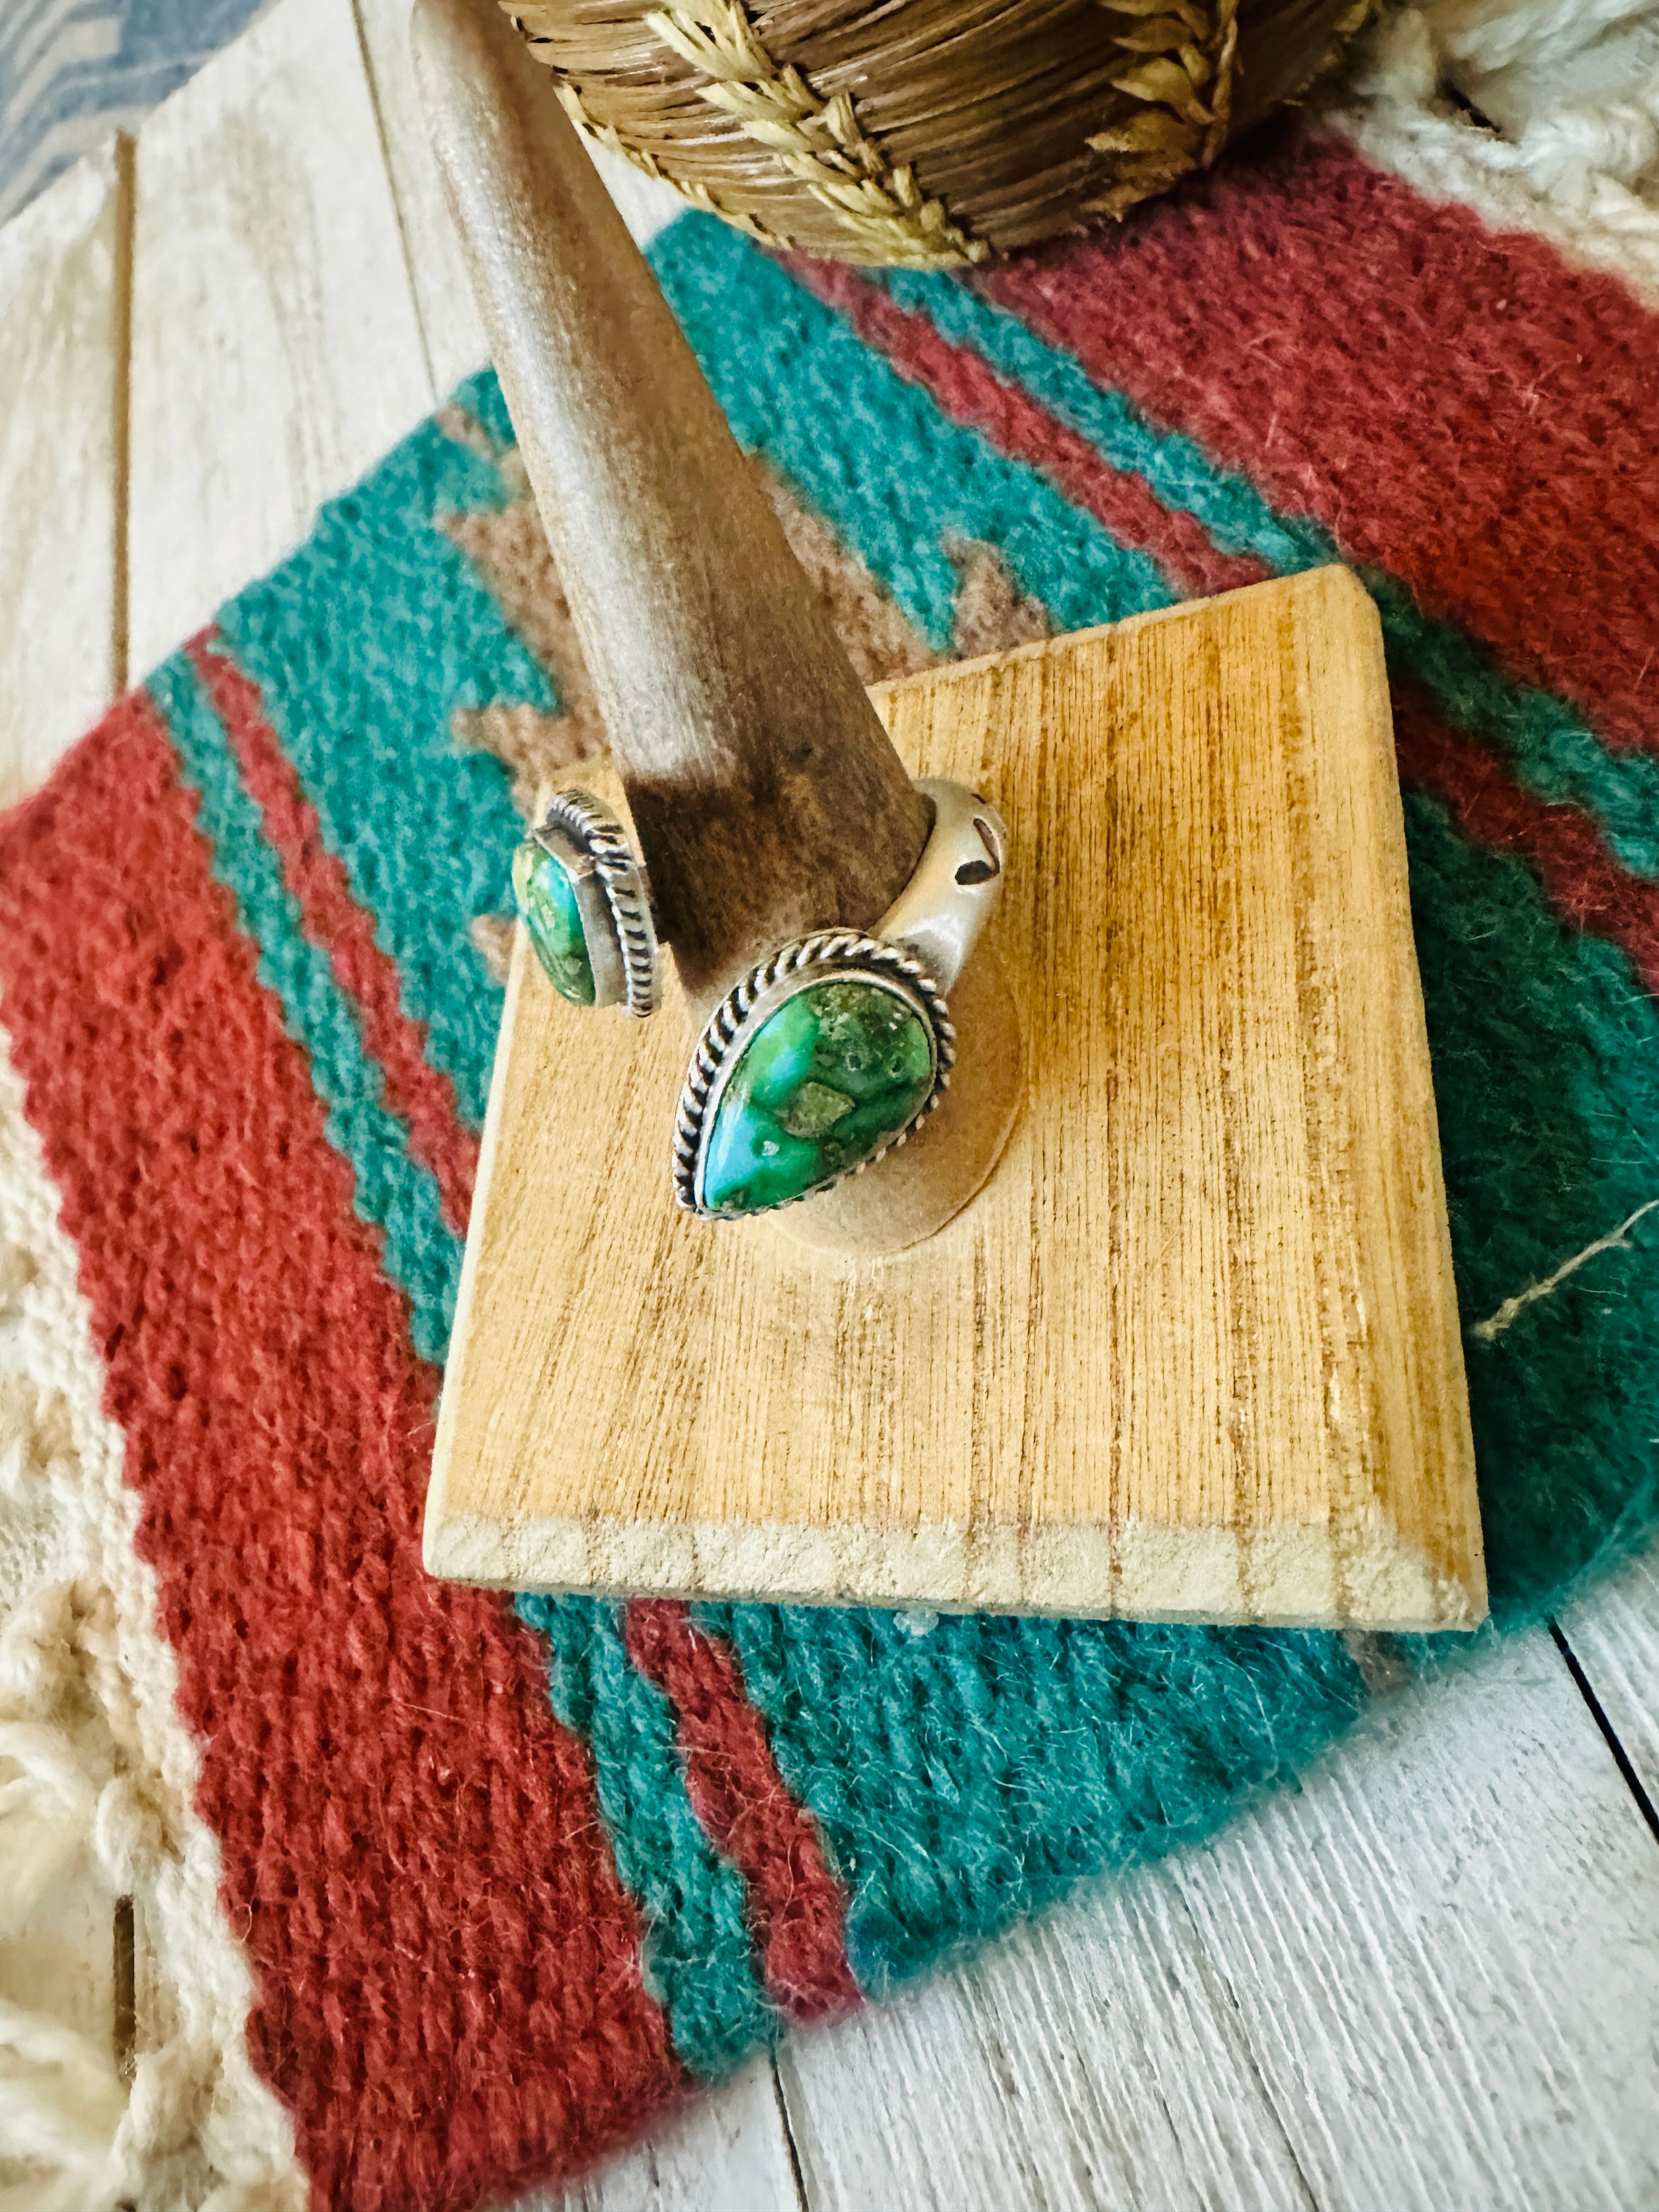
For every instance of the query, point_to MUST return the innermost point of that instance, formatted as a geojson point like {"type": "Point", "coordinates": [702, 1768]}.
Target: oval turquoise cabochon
{"type": "Point", "coordinates": [547, 899]}
{"type": "Point", "coordinates": [829, 1079]}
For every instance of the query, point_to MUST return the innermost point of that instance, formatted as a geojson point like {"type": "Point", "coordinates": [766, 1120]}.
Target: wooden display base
{"type": "Point", "coordinates": [1192, 1352]}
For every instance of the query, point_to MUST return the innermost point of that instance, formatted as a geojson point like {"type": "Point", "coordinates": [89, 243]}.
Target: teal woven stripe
{"type": "Point", "coordinates": [1554, 753]}
{"type": "Point", "coordinates": [894, 476]}
{"type": "Point", "coordinates": [975, 1773]}
{"type": "Point", "coordinates": [698, 1953]}
{"type": "Point", "coordinates": [972, 1774]}
{"type": "Point", "coordinates": [394, 1190]}
{"type": "Point", "coordinates": [364, 643]}
{"type": "Point", "coordinates": [1545, 1051]}
{"type": "Point", "coordinates": [1178, 469]}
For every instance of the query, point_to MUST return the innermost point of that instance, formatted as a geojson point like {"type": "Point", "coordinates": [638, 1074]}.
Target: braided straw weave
{"type": "Point", "coordinates": [926, 132]}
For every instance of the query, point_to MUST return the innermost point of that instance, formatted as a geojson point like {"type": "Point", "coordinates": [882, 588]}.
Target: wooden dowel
{"type": "Point", "coordinates": [767, 797]}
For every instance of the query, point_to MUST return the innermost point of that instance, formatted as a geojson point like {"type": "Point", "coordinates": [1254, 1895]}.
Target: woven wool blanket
{"type": "Point", "coordinates": [456, 1891]}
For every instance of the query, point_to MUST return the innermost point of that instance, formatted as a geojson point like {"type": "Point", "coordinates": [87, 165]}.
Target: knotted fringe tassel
{"type": "Point", "coordinates": [1543, 116]}
{"type": "Point", "coordinates": [97, 1784]}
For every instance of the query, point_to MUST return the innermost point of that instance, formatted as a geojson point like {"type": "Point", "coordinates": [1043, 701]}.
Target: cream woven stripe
{"type": "Point", "coordinates": [1567, 168]}
{"type": "Point", "coordinates": [95, 1758]}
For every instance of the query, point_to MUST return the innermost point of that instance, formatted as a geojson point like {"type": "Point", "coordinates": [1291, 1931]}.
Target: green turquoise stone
{"type": "Point", "coordinates": [547, 899]}
{"type": "Point", "coordinates": [829, 1079]}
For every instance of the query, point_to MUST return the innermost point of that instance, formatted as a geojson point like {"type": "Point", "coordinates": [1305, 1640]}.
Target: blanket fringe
{"type": "Point", "coordinates": [98, 1776]}
{"type": "Point", "coordinates": [1541, 115]}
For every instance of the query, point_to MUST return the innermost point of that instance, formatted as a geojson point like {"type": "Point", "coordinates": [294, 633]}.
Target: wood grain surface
{"type": "Point", "coordinates": [1485, 1842]}
{"type": "Point", "coordinates": [60, 305]}
{"type": "Point", "coordinates": [1192, 1354]}
{"type": "Point", "coordinates": [1611, 1636]}
{"type": "Point", "coordinates": [454, 338]}
{"type": "Point", "coordinates": [1429, 1978]}
{"type": "Point", "coordinates": [269, 273]}
{"type": "Point", "coordinates": [1496, 1853]}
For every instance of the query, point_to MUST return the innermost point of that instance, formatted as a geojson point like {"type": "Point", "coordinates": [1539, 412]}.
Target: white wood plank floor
{"type": "Point", "coordinates": [1431, 1977]}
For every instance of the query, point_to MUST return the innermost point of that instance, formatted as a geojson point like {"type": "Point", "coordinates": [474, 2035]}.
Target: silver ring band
{"type": "Point", "coordinates": [606, 886]}
{"type": "Point", "coordinates": [958, 879]}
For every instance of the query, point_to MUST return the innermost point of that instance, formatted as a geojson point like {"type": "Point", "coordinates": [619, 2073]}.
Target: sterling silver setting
{"type": "Point", "coordinates": [827, 955]}
{"type": "Point", "coordinates": [612, 898]}
{"type": "Point", "coordinates": [917, 951]}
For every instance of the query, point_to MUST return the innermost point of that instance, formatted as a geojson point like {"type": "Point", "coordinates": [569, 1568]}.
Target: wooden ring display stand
{"type": "Point", "coordinates": [1191, 1351]}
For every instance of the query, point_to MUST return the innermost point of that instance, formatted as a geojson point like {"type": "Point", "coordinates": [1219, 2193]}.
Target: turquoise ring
{"type": "Point", "coordinates": [830, 1052]}
{"type": "Point", "coordinates": [582, 891]}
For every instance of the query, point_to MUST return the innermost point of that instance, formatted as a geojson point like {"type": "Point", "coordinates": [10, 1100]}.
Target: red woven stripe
{"type": "Point", "coordinates": [795, 1903]}
{"type": "Point", "coordinates": [333, 920]}
{"type": "Point", "coordinates": [970, 391]}
{"type": "Point", "coordinates": [1461, 409]}
{"type": "Point", "coordinates": [1584, 880]}
{"type": "Point", "coordinates": [449, 1991]}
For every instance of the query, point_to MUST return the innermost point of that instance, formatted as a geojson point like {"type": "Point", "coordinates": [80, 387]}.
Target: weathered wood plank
{"type": "Point", "coordinates": [1445, 1953]}
{"type": "Point", "coordinates": [1429, 1978]}
{"type": "Point", "coordinates": [1612, 1631]}
{"type": "Point", "coordinates": [1087, 2060]}
{"type": "Point", "coordinates": [61, 307]}
{"type": "Point", "coordinates": [454, 336]}
{"type": "Point", "coordinates": [276, 351]}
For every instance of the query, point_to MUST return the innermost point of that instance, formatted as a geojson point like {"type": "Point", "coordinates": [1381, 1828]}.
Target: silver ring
{"type": "Point", "coordinates": [581, 891]}
{"type": "Point", "coordinates": [828, 1054]}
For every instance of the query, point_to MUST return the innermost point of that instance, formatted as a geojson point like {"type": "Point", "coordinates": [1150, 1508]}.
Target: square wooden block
{"type": "Point", "coordinates": [1192, 1354]}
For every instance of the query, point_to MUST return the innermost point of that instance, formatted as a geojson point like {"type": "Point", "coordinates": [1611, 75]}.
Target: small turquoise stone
{"type": "Point", "coordinates": [547, 899]}
{"type": "Point", "coordinates": [829, 1079]}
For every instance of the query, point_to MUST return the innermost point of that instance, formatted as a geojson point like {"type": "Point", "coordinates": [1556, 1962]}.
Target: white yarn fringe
{"type": "Point", "coordinates": [1564, 139]}
{"type": "Point", "coordinates": [96, 1766]}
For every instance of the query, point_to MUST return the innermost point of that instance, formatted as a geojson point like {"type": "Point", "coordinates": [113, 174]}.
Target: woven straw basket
{"type": "Point", "coordinates": [923, 132]}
